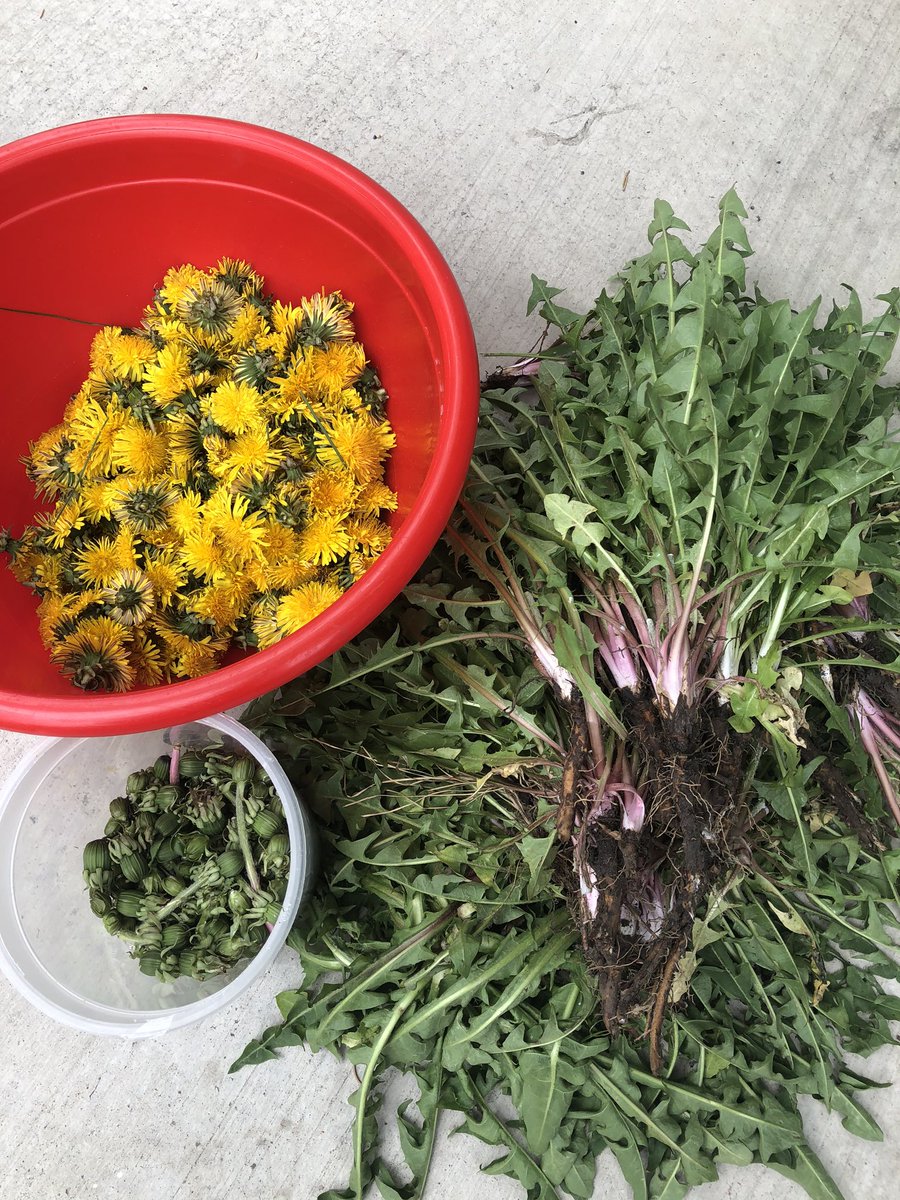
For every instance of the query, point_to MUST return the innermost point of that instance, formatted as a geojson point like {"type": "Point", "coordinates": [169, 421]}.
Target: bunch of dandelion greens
{"type": "Point", "coordinates": [607, 796]}
{"type": "Point", "coordinates": [192, 868]}
{"type": "Point", "coordinates": [218, 481]}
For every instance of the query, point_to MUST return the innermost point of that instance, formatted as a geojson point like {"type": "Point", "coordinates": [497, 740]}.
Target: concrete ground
{"type": "Point", "coordinates": [525, 137]}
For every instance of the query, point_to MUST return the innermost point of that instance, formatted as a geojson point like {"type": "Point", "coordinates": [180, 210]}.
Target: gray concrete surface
{"type": "Point", "coordinates": [525, 137]}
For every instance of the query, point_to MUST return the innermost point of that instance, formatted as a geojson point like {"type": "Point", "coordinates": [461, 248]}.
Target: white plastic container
{"type": "Point", "coordinates": [52, 947]}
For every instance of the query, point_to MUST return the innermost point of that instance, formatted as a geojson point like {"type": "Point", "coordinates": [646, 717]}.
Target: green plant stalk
{"type": "Point", "coordinates": [357, 1182]}
{"type": "Point", "coordinates": [240, 824]}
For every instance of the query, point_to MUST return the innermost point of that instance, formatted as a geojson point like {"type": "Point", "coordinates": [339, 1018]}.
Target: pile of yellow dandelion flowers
{"type": "Point", "coordinates": [218, 480]}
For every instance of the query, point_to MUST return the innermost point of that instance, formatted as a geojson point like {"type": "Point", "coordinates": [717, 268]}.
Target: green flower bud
{"type": "Point", "coordinates": [279, 846]}
{"type": "Point", "coordinates": [133, 867]}
{"type": "Point", "coordinates": [172, 885]}
{"type": "Point", "coordinates": [195, 846]}
{"type": "Point", "coordinates": [276, 853]}
{"type": "Point", "coordinates": [238, 902]}
{"type": "Point", "coordinates": [149, 930]}
{"type": "Point", "coordinates": [267, 823]}
{"type": "Point", "coordinates": [112, 923]}
{"type": "Point", "coordinates": [96, 855]}
{"type": "Point", "coordinates": [231, 948]}
{"type": "Point", "coordinates": [121, 845]}
{"type": "Point", "coordinates": [191, 766]}
{"type": "Point", "coordinates": [166, 824]}
{"type": "Point", "coordinates": [136, 782]}
{"type": "Point", "coordinates": [243, 770]}
{"type": "Point", "coordinates": [277, 886]}
{"type": "Point", "coordinates": [145, 827]}
{"type": "Point", "coordinates": [112, 827]}
{"type": "Point", "coordinates": [215, 928]}
{"type": "Point", "coordinates": [173, 937]}
{"type": "Point", "coordinates": [99, 905]}
{"type": "Point", "coordinates": [231, 863]}
{"type": "Point", "coordinates": [166, 797]}
{"type": "Point", "coordinates": [260, 789]}
{"type": "Point", "coordinates": [145, 801]}
{"type": "Point", "coordinates": [161, 768]}
{"type": "Point", "coordinates": [166, 853]}
{"type": "Point", "coordinates": [151, 961]}
{"type": "Point", "coordinates": [152, 882]}
{"type": "Point", "coordinates": [187, 963]}
{"type": "Point", "coordinates": [129, 904]}
{"type": "Point", "coordinates": [273, 912]}
{"type": "Point", "coordinates": [118, 809]}
{"type": "Point", "coordinates": [212, 826]}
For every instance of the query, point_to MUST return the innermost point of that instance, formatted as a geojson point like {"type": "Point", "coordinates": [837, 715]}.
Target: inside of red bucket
{"type": "Point", "coordinates": [89, 235]}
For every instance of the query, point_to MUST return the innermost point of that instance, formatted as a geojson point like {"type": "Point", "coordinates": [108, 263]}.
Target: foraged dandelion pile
{"type": "Point", "coordinates": [218, 478]}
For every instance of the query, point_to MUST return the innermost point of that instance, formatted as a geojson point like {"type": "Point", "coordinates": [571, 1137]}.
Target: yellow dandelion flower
{"type": "Point", "coordinates": [128, 356]}
{"type": "Point", "coordinates": [263, 622]}
{"type": "Point", "coordinates": [217, 450]}
{"type": "Point", "coordinates": [26, 559]}
{"type": "Point", "coordinates": [251, 456]}
{"type": "Point", "coordinates": [96, 499]}
{"type": "Point", "coordinates": [279, 542]}
{"type": "Point", "coordinates": [170, 329]}
{"type": "Point", "coordinates": [324, 540]}
{"type": "Point", "coordinates": [359, 563]}
{"type": "Point", "coordinates": [140, 450]}
{"type": "Point", "coordinates": [99, 356]}
{"type": "Point", "coordinates": [185, 439]}
{"type": "Point", "coordinates": [287, 503]}
{"type": "Point", "coordinates": [94, 432]}
{"type": "Point", "coordinates": [198, 658]}
{"type": "Point", "coordinates": [47, 572]}
{"type": "Point", "coordinates": [247, 326]}
{"type": "Point", "coordinates": [235, 407]}
{"type": "Point", "coordinates": [285, 318]}
{"type": "Point", "coordinates": [62, 523]}
{"type": "Point", "coordinates": [185, 513]}
{"type": "Point", "coordinates": [238, 530]}
{"type": "Point", "coordinates": [164, 538]}
{"type": "Point", "coordinates": [331, 491]}
{"type": "Point", "coordinates": [326, 318]}
{"type": "Point", "coordinates": [304, 603]}
{"type": "Point", "coordinates": [171, 638]}
{"type": "Point", "coordinates": [76, 405]}
{"type": "Point", "coordinates": [357, 443]}
{"type": "Point", "coordinates": [369, 535]}
{"type": "Point", "coordinates": [146, 658]}
{"type": "Point", "coordinates": [167, 575]}
{"type": "Point", "coordinates": [338, 365]}
{"type": "Point", "coordinates": [126, 548]}
{"type": "Point", "coordinates": [60, 613]}
{"type": "Point", "coordinates": [374, 498]}
{"type": "Point", "coordinates": [166, 378]}
{"type": "Point", "coordinates": [211, 305]}
{"type": "Point", "coordinates": [285, 575]}
{"type": "Point", "coordinates": [222, 603]}
{"type": "Point", "coordinates": [98, 562]}
{"type": "Point", "coordinates": [177, 281]}
{"type": "Point", "coordinates": [204, 554]}
{"type": "Point", "coordinates": [129, 597]}
{"type": "Point", "coordinates": [297, 389]}
{"type": "Point", "coordinates": [142, 505]}
{"type": "Point", "coordinates": [240, 275]}
{"type": "Point", "coordinates": [95, 656]}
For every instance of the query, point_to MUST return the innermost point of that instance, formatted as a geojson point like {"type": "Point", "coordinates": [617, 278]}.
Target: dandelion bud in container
{"type": "Point", "coordinates": [196, 870]}
{"type": "Point", "coordinates": [96, 855]}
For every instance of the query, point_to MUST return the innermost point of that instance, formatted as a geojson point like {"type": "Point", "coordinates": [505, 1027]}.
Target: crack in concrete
{"type": "Point", "coordinates": [574, 139]}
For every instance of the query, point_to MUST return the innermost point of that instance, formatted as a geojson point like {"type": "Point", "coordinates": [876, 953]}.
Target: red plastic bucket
{"type": "Point", "coordinates": [91, 215]}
